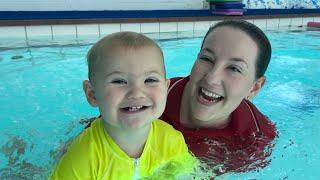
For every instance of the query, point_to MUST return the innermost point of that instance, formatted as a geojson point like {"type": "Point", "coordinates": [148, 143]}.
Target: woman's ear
{"type": "Point", "coordinates": [168, 83]}
{"type": "Point", "coordinates": [90, 94]}
{"type": "Point", "coordinates": [258, 84]}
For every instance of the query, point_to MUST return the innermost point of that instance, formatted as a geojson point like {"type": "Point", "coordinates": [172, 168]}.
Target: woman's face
{"type": "Point", "coordinates": [222, 76]}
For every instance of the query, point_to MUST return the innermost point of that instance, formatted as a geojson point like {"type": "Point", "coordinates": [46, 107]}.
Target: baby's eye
{"type": "Point", "coordinates": [119, 81]}
{"type": "Point", "coordinates": [151, 80]}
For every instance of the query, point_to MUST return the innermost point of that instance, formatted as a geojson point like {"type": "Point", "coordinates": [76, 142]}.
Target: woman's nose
{"type": "Point", "coordinates": [214, 76]}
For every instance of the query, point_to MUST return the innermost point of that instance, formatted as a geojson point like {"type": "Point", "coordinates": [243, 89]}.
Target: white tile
{"type": "Point", "coordinates": [306, 20]}
{"type": "Point", "coordinates": [295, 22]}
{"type": "Point", "coordinates": [284, 22]}
{"type": "Point", "coordinates": [168, 27]}
{"type": "Point", "coordinates": [106, 29]}
{"type": "Point", "coordinates": [153, 36]}
{"type": "Point", "coordinates": [12, 31]}
{"type": "Point", "coordinates": [186, 34]}
{"type": "Point", "coordinates": [273, 24]}
{"type": "Point", "coordinates": [39, 32]}
{"type": "Point", "coordinates": [185, 26]}
{"type": "Point", "coordinates": [202, 25]}
{"type": "Point", "coordinates": [14, 42]}
{"type": "Point", "coordinates": [168, 35]}
{"type": "Point", "coordinates": [261, 23]}
{"type": "Point", "coordinates": [250, 20]}
{"type": "Point", "coordinates": [149, 27]}
{"type": "Point", "coordinates": [316, 19]}
{"type": "Point", "coordinates": [64, 30]}
{"type": "Point", "coordinates": [135, 27]}
{"type": "Point", "coordinates": [212, 23]}
{"type": "Point", "coordinates": [200, 33]}
{"type": "Point", "coordinates": [87, 29]}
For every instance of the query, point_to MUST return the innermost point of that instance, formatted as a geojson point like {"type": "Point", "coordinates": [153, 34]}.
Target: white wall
{"type": "Point", "coordinates": [56, 5]}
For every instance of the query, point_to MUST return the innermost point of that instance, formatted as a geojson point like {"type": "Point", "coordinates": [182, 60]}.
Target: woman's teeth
{"type": "Point", "coordinates": [210, 94]}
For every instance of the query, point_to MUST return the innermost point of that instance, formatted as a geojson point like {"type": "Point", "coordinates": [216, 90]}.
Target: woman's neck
{"type": "Point", "coordinates": [131, 141]}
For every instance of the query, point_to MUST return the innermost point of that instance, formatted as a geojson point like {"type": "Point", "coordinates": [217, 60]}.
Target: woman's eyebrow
{"type": "Point", "coordinates": [236, 59]}
{"type": "Point", "coordinates": [207, 50]}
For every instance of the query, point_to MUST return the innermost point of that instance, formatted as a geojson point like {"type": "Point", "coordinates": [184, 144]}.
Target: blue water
{"type": "Point", "coordinates": [42, 102]}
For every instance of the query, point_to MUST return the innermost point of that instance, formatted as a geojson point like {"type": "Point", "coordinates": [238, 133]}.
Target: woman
{"type": "Point", "coordinates": [212, 107]}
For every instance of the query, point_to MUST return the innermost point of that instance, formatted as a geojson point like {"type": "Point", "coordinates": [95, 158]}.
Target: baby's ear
{"type": "Point", "coordinates": [90, 94]}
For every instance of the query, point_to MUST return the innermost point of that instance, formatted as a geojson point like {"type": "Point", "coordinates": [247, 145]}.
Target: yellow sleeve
{"type": "Point", "coordinates": [180, 161]}
{"type": "Point", "coordinates": [77, 162]}
{"type": "Point", "coordinates": [183, 161]}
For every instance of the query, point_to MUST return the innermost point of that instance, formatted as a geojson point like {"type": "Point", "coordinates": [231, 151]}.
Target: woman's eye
{"type": "Point", "coordinates": [119, 81]}
{"type": "Point", "coordinates": [151, 80]}
{"type": "Point", "coordinates": [205, 58]}
{"type": "Point", "coordinates": [235, 69]}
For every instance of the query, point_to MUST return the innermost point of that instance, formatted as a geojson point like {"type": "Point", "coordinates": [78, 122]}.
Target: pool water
{"type": "Point", "coordinates": [42, 102]}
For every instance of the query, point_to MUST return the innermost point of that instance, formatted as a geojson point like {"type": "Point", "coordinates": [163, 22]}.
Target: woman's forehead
{"type": "Point", "coordinates": [231, 43]}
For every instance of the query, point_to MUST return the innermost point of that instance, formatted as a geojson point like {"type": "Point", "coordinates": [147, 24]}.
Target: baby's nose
{"type": "Point", "coordinates": [136, 93]}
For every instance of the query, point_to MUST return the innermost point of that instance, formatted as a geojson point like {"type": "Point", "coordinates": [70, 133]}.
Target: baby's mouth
{"type": "Point", "coordinates": [207, 96]}
{"type": "Point", "coordinates": [133, 109]}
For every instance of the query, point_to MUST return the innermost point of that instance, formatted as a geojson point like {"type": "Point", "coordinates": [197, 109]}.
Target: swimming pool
{"type": "Point", "coordinates": [42, 101]}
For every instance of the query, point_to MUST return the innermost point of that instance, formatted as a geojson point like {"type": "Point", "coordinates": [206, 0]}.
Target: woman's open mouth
{"type": "Point", "coordinates": [207, 97]}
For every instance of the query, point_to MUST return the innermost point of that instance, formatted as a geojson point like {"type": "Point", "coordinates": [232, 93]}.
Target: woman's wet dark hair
{"type": "Point", "coordinates": [257, 35]}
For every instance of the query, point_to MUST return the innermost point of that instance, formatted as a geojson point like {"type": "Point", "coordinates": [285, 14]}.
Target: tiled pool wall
{"type": "Point", "coordinates": [82, 31]}
{"type": "Point", "coordinates": [29, 22]}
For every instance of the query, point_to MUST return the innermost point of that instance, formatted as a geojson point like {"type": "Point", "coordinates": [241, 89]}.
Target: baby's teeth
{"type": "Point", "coordinates": [135, 108]}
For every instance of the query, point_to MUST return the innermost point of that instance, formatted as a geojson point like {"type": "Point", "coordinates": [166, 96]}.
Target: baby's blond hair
{"type": "Point", "coordinates": [109, 44]}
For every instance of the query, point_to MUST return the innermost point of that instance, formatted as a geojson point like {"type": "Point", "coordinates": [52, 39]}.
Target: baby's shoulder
{"type": "Point", "coordinates": [166, 135]}
{"type": "Point", "coordinates": [89, 140]}
{"type": "Point", "coordinates": [164, 128]}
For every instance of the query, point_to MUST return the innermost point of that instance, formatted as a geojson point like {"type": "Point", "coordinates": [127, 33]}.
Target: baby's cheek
{"type": "Point", "coordinates": [112, 95]}
{"type": "Point", "coordinates": [160, 94]}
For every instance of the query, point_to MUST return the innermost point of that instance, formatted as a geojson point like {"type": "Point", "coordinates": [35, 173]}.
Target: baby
{"type": "Point", "coordinates": [127, 82]}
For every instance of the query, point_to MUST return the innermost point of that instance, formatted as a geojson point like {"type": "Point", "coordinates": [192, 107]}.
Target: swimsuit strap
{"type": "Point", "coordinates": [253, 116]}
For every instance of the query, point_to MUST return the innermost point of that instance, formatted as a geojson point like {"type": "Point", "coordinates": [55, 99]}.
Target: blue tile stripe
{"type": "Point", "coordinates": [41, 15]}
{"type": "Point", "coordinates": [30, 15]}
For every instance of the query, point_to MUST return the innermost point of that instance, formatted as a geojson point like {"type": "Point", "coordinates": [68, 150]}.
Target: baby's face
{"type": "Point", "coordinates": [131, 88]}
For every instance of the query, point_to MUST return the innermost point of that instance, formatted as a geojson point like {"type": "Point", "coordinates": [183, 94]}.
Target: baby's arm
{"type": "Point", "coordinates": [74, 164]}
{"type": "Point", "coordinates": [181, 163]}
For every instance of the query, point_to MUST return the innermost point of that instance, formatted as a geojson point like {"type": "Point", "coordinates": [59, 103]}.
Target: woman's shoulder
{"type": "Point", "coordinates": [261, 121]}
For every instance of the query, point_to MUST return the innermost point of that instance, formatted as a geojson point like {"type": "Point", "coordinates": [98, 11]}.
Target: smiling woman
{"type": "Point", "coordinates": [211, 107]}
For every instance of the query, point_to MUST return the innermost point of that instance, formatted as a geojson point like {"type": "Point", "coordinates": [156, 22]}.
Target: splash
{"type": "Point", "coordinates": [237, 154]}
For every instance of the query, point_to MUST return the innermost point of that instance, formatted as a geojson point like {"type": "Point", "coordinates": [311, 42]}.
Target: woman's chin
{"type": "Point", "coordinates": [202, 114]}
